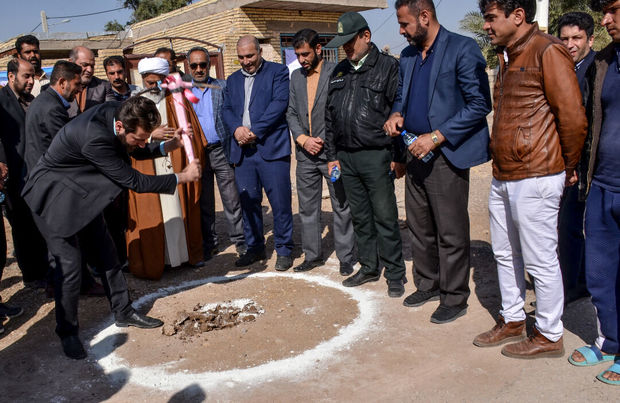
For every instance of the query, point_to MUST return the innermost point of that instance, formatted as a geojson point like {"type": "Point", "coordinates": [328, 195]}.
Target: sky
{"type": "Point", "coordinates": [21, 17]}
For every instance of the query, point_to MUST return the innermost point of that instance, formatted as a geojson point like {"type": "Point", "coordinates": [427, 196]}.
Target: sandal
{"type": "Point", "coordinates": [593, 356]}
{"type": "Point", "coordinates": [615, 369]}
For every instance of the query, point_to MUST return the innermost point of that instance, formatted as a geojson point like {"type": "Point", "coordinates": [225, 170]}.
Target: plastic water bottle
{"type": "Point", "coordinates": [409, 138]}
{"type": "Point", "coordinates": [335, 174]}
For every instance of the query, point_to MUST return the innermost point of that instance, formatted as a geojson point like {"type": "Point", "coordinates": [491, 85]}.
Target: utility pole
{"type": "Point", "coordinates": [542, 15]}
{"type": "Point", "coordinates": [43, 21]}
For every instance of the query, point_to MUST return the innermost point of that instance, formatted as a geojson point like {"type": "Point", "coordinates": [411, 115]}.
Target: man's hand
{"type": "Point", "coordinates": [191, 173]}
{"type": "Point", "coordinates": [331, 165]}
{"type": "Point", "coordinates": [422, 146]}
{"type": "Point", "coordinates": [175, 142]}
{"type": "Point", "coordinates": [394, 124]}
{"type": "Point", "coordinates": [4, 173]}
{"type": "Point", "coordinates": [244, 136]}
{"type": "Point", "coordinates": [571, 178]}
{"type": "Point", "coordinates": [399, 169]}
{"type": "Point", "coordinates": [313, 145]}
{"type": "Point", "coordinates": [162, 133]}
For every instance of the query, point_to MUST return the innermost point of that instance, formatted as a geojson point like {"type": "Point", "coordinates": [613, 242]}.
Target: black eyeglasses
{"type": "Point", "coordinates": [203, 65]}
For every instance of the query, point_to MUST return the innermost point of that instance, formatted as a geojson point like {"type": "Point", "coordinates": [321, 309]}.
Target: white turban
{"type": "Point", "coordinates": [155, 65]}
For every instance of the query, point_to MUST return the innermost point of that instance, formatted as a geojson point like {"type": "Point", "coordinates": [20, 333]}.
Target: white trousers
{"type": "Point", "coordinates": [524, 233]}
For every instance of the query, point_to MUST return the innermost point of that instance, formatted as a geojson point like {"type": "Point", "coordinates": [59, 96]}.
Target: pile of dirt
{"type": "Point", "coordinates": [207, 317]}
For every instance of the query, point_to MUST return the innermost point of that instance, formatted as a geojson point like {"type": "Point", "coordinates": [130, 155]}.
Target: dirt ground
{"type": "Point", "coordinates": [315, 340]}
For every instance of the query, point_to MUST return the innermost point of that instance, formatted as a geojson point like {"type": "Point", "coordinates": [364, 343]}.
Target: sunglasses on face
{"type": "Point", "coordinates": [194, 66]}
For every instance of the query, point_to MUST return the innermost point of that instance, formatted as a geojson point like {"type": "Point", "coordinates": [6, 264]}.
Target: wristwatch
{"type": "Point", "coordinates": [435, 138]}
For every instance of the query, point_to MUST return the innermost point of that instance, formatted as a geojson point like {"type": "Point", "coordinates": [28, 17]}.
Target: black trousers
{"type": "Point", "coordinates": [30, 248]}
{"type": "Point", "coordinates": [2, 245]}
{"type": "Point", "coordinates": [95, 241]}
{"type": "Point", "coordinates": [436, 201]}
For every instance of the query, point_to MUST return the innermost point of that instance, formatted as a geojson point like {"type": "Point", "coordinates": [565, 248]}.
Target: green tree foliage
{"type": "Point", "coordinates": [113, 26]}
{"type": "Point", "coordinates": [473, 22]}
{"type": "Point", "coordinates": [146, 9]}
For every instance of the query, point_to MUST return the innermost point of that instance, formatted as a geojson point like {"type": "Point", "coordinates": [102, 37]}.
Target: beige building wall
{"type": "Point", "coordinates": [226, 27]}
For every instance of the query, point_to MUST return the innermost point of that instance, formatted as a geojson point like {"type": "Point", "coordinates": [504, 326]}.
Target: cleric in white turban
{"type": "Point", "coordinates": [155, 65]}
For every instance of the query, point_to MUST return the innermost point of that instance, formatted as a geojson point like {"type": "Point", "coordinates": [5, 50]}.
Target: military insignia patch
{"type": "Point", "coordinates": [340, 29]}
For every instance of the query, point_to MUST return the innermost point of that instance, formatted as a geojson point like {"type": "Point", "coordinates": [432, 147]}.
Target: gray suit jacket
{"type": "Point", "coordinates": [297, 113]}
{"type": "Point", "coordinates": [97, 92]}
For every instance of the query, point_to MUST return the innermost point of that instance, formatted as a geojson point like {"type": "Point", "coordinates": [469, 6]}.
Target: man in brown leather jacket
{"type": "Point", "coordinates": [538, 132]}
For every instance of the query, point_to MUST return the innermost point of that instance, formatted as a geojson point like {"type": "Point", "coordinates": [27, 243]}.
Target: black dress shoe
{"type": "Point", "coordinates": [208, 255]}
{"type": "Point", "coordinates": [241, 249]}
{"type": "Point", "coordinates": [419, 298]}
{"type": "Point", "coordinates": [138, 320]}
{"type": "Point", "coordinates": [73, 348]}
{"type": "Point", "coordinates": [283, 263]}
{"type": "Point", "coordinates": [308, 265]}
{"type": "Point", "coordinates": [9, 311]}
{"type": "Point", "coordinates": [346, 268]}
{"type": "Point", "coordinates": [396, 288]}
{"type": "Point", "coordinates": [360, 278]}
{"type": "Point", "coordinates": [445, 314]}
{"type": "Point", "coordinates": [250, 257]}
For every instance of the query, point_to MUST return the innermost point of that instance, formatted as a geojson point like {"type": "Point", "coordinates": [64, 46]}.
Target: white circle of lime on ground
{"type": "Point", "coordinates": [160, 377]}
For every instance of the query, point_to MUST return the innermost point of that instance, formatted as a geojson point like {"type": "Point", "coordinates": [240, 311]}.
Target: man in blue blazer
{"type": "Point", "coordinates": [443, 98]}
{"type": "Point", "coordinates": [254, 110]}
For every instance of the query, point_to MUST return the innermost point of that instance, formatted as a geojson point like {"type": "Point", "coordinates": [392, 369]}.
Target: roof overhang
{"type": "Point", "coordinates": [206, 8]}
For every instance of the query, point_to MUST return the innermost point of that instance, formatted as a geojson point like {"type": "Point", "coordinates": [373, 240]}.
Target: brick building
{"type": "Point", "coordinates": [214, 23]}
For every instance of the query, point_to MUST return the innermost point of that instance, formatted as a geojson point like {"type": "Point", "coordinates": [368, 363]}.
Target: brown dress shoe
{"type": "Point", "coordinates": [501, 333]}
{"type": "Point", "coordinates": [535, 346]}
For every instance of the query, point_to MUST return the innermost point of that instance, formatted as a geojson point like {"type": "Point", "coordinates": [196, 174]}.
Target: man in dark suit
{"type": "Point", "coordinates": [443, 98]}
{"type": "Point", "coordinates": [576, 30]}
{"type": "Point", "coordinates": [48, 112]}
{"type": "Point", "coordinates": [306, 119]}
{"type": "Point", "coordinates": [94, 90]}
{"type": "Point", "coordinates": [15, 98]}
{"type": "Point", "coordinates": [85, 168]}
{"type": "Point", "coordinates": [254, 110]}
{"type": "Point", "coordinates": [217, 152]}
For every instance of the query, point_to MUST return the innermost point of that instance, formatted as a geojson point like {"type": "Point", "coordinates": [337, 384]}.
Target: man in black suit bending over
{"type": "Point", "coordinates": [84, 169]}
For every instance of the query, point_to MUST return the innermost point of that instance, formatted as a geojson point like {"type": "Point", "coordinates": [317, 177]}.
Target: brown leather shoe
{"type": "Point", "coordinates": [535, 346]}
{"type": "Point", "coordinates": [501, 333]}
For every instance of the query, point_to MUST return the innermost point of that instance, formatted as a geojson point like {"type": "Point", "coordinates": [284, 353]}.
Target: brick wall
{"type": "Point", "coordinates": [226, 27]}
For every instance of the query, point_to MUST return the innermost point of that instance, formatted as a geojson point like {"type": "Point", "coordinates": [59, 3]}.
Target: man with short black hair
{"type": "Point", "coordinates": [576, 30]}
{"type": "Point", "coordinates": [120, 90]}
{"type": "Point", "coordinates": [306, 119]}
{"type": "Point", "coordinates": [48, 112]}
{"type": "Point", "coordinates": [217, 153]}
{"type": "Point", "coordinates": [84, 169]}
{"type": "Point", "coordinates": [443, 98]}
{"type": "Point", "coordinates": [27, 48]}
{"type": "Point", "coordinates": [361, 92]}
{"type": "Point", "coordinates": [15, 99]}
{"type": "Point", "coordinates": [539, 127]}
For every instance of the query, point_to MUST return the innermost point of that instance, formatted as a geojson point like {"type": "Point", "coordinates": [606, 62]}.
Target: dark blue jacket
{"type": "Point", "coordinates": [459, 97]}
{"type": "Point", "coordinates": [268, 105]}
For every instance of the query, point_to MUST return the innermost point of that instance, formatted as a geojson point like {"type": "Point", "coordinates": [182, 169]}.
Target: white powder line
{"type": "Point", "coordinates": [160, 378]}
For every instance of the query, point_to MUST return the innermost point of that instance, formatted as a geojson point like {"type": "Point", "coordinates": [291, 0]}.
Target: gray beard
{"type": "Point", "coordinates": [156, 97]}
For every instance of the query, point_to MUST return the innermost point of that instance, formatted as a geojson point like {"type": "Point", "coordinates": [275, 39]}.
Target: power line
{"type": "Point", "coordinates": [86, 15]}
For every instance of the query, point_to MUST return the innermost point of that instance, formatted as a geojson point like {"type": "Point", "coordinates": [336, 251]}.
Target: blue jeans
{"type": "Point", "coordinates": [603, 263]}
